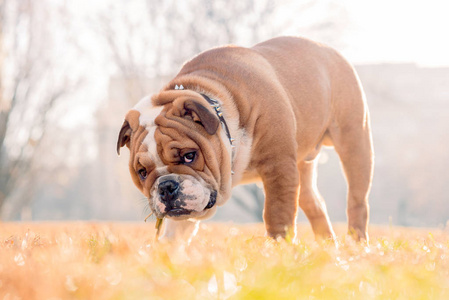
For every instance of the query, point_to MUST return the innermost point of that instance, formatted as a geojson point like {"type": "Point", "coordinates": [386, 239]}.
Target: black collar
{"type": "Point", "coordinates": [216, 105]}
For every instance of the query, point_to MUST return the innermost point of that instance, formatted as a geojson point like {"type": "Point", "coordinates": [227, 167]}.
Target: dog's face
{"type": "Point", "coordinates": [179, 158]}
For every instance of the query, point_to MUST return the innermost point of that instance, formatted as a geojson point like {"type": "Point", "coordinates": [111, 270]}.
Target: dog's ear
{"type": "Point", "coordinates": [201, 115]}
{"type": "Point", "coordinates": [124, 136]}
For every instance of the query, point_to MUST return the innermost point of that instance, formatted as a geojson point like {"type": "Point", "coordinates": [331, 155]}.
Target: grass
{"type": "Point", "coordinates": [225, 261]}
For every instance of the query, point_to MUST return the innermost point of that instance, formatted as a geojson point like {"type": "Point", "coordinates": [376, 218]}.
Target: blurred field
{"type": "Point", "coordinates": [225, 261]}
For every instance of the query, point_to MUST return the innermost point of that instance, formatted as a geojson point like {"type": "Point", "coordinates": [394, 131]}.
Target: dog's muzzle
{"type": "Point", "coordinates": [169, 192]}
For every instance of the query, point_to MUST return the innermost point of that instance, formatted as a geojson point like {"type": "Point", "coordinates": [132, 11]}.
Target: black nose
{"type": "Point", "coordinates": [168, 190]}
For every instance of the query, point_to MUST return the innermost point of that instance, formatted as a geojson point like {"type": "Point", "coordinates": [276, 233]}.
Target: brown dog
{"type": "Point", "coordinates": [234, 115]}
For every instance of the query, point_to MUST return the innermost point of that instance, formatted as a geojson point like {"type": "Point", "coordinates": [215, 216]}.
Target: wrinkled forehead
{"type": "Point", "coordinates": [141, 118]}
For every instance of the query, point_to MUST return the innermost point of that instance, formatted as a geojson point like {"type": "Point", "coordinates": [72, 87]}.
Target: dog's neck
{"type": "Point", "coordinates": [217, 107]}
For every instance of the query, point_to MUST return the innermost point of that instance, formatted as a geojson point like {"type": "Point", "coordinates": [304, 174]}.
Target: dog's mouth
{"type": "Point", "coordinates": [176, 212]}
{"type": "Point", "coordinates": [180, 211]}
{"type": "Point", "coordinates": [212, 200]}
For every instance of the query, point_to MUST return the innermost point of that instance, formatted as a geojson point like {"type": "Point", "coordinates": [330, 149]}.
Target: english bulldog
{"type": "Point", "coordinates": [235, 115]}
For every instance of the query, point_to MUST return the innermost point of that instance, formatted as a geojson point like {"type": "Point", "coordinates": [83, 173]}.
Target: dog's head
{"type": "Point", "coordinates": [179, 155]}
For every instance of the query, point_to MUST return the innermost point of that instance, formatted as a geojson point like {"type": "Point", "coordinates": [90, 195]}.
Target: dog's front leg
{"type": "Point", "coordinates": [183, 230]}
{"type": "Point", "coordinates": [281, 184]}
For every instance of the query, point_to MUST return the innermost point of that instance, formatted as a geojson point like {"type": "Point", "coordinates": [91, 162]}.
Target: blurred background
{"type": "Point", "coordinates": [70, 70]}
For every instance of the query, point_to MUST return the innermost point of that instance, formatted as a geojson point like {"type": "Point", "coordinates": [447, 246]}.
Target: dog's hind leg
{"type": "Point", "coordinates": [353, 143]}
{"type": "Point", "coordinates": [311, 201]}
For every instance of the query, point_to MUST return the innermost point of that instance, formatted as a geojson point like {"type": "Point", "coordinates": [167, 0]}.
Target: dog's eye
{"type": "Point", "coordinates": [142, 173]}
{"type": "Point", "coordinates": [188, 157]}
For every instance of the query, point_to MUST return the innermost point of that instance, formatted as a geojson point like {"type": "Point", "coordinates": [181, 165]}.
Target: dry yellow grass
{"type": "Point", "coordinates": [225, 261]}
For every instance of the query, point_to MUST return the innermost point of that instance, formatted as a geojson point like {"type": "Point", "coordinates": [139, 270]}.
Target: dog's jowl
{"type": "Point", "coordinates": [235, 115]}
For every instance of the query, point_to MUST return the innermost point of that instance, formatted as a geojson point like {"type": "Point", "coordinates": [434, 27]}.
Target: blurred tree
{"type": "Point", "coordinates": [31, 87]}
{"type": "Point", "coordinates": [151, 38]}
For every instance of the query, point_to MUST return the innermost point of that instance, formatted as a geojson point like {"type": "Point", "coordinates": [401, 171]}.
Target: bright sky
{"type": "Point", "coordinates": [398, 31]}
